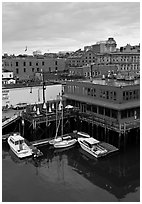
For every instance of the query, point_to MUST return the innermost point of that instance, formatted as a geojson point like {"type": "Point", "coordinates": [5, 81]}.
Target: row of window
{"type": "Point", "coordinates": [108, 94]}
{"type": "Point", "coordinates": [132, 94]}
{"type": "Point", "coordinates": [127, 113]}
{"type": "Point", "coordinates": [34, 70]}
{"type": "Point", "coordinates": [92, 92]}
{"type": "Point", "coordinates": [27, 63]}
{"type": "Point", "coordinates": [89, 59]}
{"type": "Point", "coordinates": [129, 67]}
{"type": "Point", "coordinates": [94, 73]}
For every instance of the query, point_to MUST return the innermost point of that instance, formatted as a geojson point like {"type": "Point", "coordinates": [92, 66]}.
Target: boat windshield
{"type": "Point", "coordinates": [87, 143]}
{"type": "Point", "coordinates": [19, 142]}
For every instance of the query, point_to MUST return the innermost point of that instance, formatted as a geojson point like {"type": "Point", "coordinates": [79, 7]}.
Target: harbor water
{"type": "Point", "coordinates": [71, 176]}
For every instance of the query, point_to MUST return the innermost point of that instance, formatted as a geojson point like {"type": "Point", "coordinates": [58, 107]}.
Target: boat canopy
{"type": "Point", "coordinates": [16, 137]}
{"type": "Point", "coordinates": [91, 140]}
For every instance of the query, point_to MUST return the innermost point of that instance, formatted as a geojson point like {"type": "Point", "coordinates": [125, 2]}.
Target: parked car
{"type": "Point", "coordinates": [20, 106]}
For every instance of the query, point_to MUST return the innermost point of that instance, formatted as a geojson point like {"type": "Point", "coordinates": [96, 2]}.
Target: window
{"type": "Point", "coordinates": [88, 91]}
{"type": "Point", "coordinates": [30, 63]}
{"type": "Point", "coordinates": [16, 64]}
{"type": "Point", "coordinates": [24, 63]}
{"type": "Point", "coordinates": [123, 114]}
{"type": "Point", "coordinates": [42, 63]}
{"type": "Point", "coordinates": [37, 69]}
{"type": "Point", "coordinates": [17, 71]}
{"type": "Point", "coordinates": [107, 112]}
{"type": "Point", "coordinates": [50, 69]}
{"type": "Point", "coordinates": [24, 69]}
{"type": "Point", "coordinates": [88, 107]}
{"type": "Point", "coordinates": [56, 69]}
{"type": "Point", "coordinates": [114, 113]}
{"type": "Point", "coordinates": [32, 69]}
{"type": "Point", "coordinates": [101, 110]}
{"type": "Point", "coordinates": [94, 109]}
{"type": "Point", "coordinates": [55, 62]}
{"type": "Point", "coordinates": [36, 63]}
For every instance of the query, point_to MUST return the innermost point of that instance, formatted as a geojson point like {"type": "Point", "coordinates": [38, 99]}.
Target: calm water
{"type": "Point", "coordinates": [71, 176]}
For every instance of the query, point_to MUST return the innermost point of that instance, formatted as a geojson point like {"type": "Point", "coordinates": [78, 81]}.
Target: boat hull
{"type": "Point", "coordinates": [65, 143]}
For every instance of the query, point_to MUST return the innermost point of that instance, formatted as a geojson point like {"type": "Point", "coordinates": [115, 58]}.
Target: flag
{"type": "Point", "coordinates": [26, 49]}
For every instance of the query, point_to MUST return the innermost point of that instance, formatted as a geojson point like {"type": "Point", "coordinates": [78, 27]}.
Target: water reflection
{"type": "Point", "coordinates": [118, 174]}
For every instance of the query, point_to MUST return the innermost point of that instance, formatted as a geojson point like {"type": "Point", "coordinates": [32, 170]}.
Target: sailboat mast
{"type": "Point", "coordinates": [62, 113]}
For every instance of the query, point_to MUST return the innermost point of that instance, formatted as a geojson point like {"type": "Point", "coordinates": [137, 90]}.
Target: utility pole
{"type": "Point", "coordinates": [43, 86]}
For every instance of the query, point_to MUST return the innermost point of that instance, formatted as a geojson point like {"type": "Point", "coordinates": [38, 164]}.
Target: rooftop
{"type": "Point", "coordinates": [23, 85]}
{"type": "Point", "coordinates": [112, 82]}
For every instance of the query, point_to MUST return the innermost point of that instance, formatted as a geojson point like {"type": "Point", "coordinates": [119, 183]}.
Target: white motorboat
{"type": "Point", "coordinates": [19, 146]}
{"type": "Point", "coordinates": [92, 146]}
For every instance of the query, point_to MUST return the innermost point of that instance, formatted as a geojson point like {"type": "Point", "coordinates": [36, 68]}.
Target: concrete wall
{"type": "Point", "coordinates": [30, 95]}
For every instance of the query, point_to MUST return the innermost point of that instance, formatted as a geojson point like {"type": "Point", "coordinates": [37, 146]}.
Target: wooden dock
{"type": "Point", "coordinates": [41, 142]}
{"type": "Point", "coordinates": [10, 120]}
{"type": "Point", "coordinates": [44, 117]}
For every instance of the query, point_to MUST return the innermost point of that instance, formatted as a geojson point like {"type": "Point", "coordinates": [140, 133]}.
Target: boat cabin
{"type": "Point", "coordinates": [16, 139]}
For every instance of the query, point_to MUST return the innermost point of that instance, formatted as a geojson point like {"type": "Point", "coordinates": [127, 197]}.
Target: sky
{"type": "Point", "coordinates": [67, 26]}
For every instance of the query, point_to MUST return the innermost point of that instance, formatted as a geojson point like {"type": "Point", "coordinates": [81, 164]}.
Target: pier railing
{"type": "Point", "coordinates": [46, 116]}
{"type": "Point", "coordinates": [109, 123]}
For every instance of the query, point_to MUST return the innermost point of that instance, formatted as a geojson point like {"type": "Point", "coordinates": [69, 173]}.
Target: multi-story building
{"type": "Point", "coordinates": [130, 49]}
{"type": "Point", "coordinates": [127, 60]}
{"type": "Point", "coordinates": [113, 103]}
{"type": "Point", "coordinates": [26, 67]}
{"type": "Point", "coordinates": [93, 70]}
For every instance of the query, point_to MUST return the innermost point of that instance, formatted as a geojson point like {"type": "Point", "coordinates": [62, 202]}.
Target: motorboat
{"type": "Point", "coordinates": [66, 142]}
{"type": "Point", "coordinates": [18, 146]}
{"type": "Point", "coordinates": [92, 146]}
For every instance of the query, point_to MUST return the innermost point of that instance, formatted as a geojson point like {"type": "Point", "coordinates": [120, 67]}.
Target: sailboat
{"type": "Point", "coordinates": [62, 141]}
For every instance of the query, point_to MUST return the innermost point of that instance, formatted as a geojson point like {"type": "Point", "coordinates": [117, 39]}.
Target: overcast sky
{"type": "Point", "coordinates": [60, 26]}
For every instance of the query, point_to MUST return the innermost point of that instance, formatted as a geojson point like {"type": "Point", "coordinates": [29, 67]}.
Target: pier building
{"type": "Point", "coordinates": [110, 104]}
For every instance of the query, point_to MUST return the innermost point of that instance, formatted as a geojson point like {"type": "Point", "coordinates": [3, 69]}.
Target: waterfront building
{"type": "Point", "coordinates": [26, 67]}
{"type": "Point", "coordinates": [109, 103]}
{"type": "Point", "coordinates": [30, 93]}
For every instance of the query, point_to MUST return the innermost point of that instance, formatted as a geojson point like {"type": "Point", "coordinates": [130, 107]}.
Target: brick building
{"type": "Point", "coordinates": [26, 67]}
{"type": "Point", "coordinates": [127, 59]}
